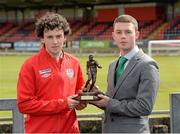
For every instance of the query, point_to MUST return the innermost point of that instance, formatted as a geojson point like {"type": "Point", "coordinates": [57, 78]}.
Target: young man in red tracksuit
{"type": "Point", "coordinates": [49, 80]}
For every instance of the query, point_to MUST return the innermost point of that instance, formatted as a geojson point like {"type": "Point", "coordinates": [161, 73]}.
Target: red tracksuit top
{"type": "Point", "coordinates": [43, 87]}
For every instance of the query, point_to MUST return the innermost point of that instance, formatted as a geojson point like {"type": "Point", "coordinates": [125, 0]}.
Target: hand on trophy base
{"type": "Point", "coordinates": [87, 95]}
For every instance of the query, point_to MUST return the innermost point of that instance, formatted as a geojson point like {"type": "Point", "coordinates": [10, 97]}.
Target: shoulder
{"type": "Point", "coordinates": [31, 61]}
{"type": "Point", "coordinates": [113, 61]}
{"type": "Point", "coordinates": [147, 61]}
{"type": "Point", "coordinates": [71, 57]}
{"type": "Point", "coordinates": [113, 64]}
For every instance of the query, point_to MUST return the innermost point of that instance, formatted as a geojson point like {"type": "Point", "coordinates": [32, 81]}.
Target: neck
{"type": "Point", "coordinates": [57, 55]}
{"type": "Point", "coordinates": [124, 52]}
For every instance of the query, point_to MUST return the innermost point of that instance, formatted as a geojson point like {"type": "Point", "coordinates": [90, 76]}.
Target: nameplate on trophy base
{"type": "Point", "coordinates": [87, 96]}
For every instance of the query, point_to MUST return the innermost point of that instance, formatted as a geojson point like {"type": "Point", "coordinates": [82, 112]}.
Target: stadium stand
{"type": "Point", "coordinates": [154, 23]}
{"type": "Point", "coordinates": [4, 27]}
{"type": "Point", "coordinates": [146, 28]}
{"type": "Point", "coordinates": [101, 31]}
{"type": "Point", "coordinates": [173, 29]}
{"type": "Point", "coordinates": [75, 24]}
{"type": "Point", "coordinates": [97, 29]}
{"type": "Point", "coordinates": [82, 31]}
{"type": "Point", "coordinates": [168, 30]}
{"type": "Point", "coordinates": [106, 35]}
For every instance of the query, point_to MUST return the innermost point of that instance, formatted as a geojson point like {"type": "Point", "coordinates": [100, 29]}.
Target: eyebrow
{"type": "Point", "coordinates": [123, 30]}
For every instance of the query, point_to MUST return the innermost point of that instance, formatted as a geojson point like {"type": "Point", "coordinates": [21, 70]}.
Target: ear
{"type": "Point", "coordinates": [65, 38]}
{"type": "Point", "coordinates": [42, 40]}
{"type": "Point", "coordinates": [113, 35]}
{"type": "Point", "coordinates": [137, 34]}
{"type": "Point", "coordinates": [42, 44]}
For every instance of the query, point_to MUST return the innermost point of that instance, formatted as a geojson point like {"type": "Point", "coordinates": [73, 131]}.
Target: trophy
{"type": "Point", "coordinates": [90, 90]}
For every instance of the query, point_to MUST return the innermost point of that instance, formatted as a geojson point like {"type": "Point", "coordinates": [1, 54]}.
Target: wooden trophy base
{"type": "Point", "coordinates": [88, 96]}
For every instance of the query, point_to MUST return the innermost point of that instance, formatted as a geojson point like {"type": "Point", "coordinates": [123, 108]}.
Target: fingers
{"type": "Point", "coordinates": [78, 105]}
{"type": "Point", "coordinates": [101, 96]}
{"type": "Point", "coordinates": [102, 103]}
{"type": "Point", "coordinates": [81, 106]}
{"type": "Point", "coordinates": [73, 105]}
{"type": "Point", "coordinates": [73, 96]}
{"type": "Point", "coordinates": [94, 102]}
{"type": "Point", "coordinates": [72, 102]}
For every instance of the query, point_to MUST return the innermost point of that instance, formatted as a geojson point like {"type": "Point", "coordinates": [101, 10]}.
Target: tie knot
{"type": "Point", "coordinates": [122, 60]}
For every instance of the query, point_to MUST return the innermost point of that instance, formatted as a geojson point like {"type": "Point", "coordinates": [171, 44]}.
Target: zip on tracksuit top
{"type": "Point", "coordinates": [43, 87]}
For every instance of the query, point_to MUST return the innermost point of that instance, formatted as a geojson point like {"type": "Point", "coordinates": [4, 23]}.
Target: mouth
{"type": "Point", "coordinates": [123, 42]}
{"type": "Point", "coordinates": [55, 46]}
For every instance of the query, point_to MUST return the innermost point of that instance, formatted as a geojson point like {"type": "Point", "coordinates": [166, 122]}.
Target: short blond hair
{"type": "Point", "coordinates": [126, 19]}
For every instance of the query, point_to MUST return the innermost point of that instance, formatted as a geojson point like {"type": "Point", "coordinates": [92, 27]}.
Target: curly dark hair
{"type": "Point", "coordinates": [50, 21]}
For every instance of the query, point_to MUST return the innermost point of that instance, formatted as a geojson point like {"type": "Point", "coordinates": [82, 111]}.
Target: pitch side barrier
{"type": "Point", "coordinates": [175, 112]}
{"type": "Point", "coordinates": [18, 126]}
{"type": "Point", "coordinates": [17, 117]}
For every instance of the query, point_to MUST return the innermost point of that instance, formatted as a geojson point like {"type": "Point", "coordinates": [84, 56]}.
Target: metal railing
{"type": "Point", "coordinates": [95, 115]}
{"type": "Point", "coordinates": [17, 118]}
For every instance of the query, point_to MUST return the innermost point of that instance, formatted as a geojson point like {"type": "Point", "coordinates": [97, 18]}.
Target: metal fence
{"type": "Point", "coordinates": [18, 118]}
{"type": "Point", "coordinates": [11, 105]}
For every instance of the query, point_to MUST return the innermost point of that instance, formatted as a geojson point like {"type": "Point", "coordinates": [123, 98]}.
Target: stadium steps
{"type": "Point", "coordinates": [99, 28]}
{"type": "Point", "coordinates": [7, 34]}
{"type": "Point", "coordinates": [107, 34]}
{"type": "Point", "coordinates": [76, 25]}
{"type": "Point", "coordinates": [104, 30]}
{"type": "Point", "coordinates": [169, 30]}
{"type": "Point", "coordinates": [172, 31]}
{"type": "Point", "coordinates": [156, 34]}
{"type": "Point", "coordinates": [21, 33]}
{"type": "Point", "coordinates": [91, 27]}
{"type": "Point", "coordinates": [5, 27]}
{"type": "Point", "coordinates": [76, 34]}
{"type": "Point", "coordinates": [81, 33]}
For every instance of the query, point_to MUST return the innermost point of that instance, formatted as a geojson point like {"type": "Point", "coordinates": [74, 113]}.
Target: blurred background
{"type": "Point", "coordinates": [89, 19]}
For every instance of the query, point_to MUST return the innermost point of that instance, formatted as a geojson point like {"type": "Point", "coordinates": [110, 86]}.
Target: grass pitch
{"type": "Point", "coordinates": [169, 76]}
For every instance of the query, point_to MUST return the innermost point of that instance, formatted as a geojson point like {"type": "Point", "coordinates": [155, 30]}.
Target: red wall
{"type": "Point", "coordinates": [107, 14]}
{"type": "Point", "coordinates": [142, 13]}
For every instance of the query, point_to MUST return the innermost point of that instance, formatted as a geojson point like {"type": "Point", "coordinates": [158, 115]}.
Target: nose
{"type": "Point", "coordinates": [123, 34]}
{"type": "Point", "coordinates": [55, 40]}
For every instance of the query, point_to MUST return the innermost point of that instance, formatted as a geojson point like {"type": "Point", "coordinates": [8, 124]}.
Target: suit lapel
{"type": "Point", "coordinates": [111, 77]}
{"type": "Point", "coordinates": [132, 63]}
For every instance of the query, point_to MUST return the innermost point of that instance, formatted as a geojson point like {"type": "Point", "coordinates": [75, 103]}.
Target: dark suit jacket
{"type": "Point", "coordinates": [133, 97]}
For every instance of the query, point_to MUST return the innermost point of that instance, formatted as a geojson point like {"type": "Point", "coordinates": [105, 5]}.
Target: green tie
{"type": "Point", "coordinates": [120, 68]}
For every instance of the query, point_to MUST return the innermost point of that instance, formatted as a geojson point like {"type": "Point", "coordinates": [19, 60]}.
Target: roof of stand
{"type": "Point", "coordinates": [37, 4]}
